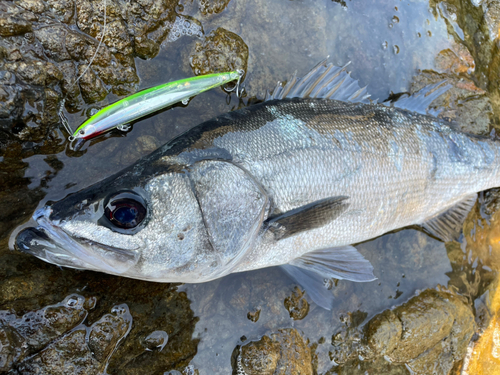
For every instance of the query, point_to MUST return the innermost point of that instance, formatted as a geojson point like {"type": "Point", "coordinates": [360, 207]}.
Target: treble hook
{"type": "Point", "coordinates": [239, 91]}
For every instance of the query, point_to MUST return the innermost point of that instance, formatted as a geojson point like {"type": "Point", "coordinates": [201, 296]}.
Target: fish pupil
{"type": "Point", "coordinates": [125, 214]}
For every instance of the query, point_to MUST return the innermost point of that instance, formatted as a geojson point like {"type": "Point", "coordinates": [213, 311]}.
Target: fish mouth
{"type": "Point", "coordinates": [51, 243]}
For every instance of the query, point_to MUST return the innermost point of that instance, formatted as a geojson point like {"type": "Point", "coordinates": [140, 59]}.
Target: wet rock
{"type": "Point", "coordinates": [139, 26]}
{"type": "Point", "coordinates": [73, 351]}
{"type": "Point", "coordinates": [297, 305]}
{"type": "Point", "coordinates": [156, 340]}
{"type": "Point", "coordinates": [430, 331]}
{"type": "Point", "coordinates": [212, 6]}
{"type": "Point", "coordinates": [91, 86]}
{"type": "Point", "coordinates": [253, 316]}
{"type": "Point", "coordinates": [280, 353]}
{"type": "Point", "coordinates": [106, 333]}
{"type": "Point", "coordinates": [35, 6]}
{"type": "Point", "coordinates": [34, 330]}
{"type": "Point", "coordinates": [384, 332]}
{"type": "Point", "coordinates": [260, 357]}
{"type": "Point", "coordinates": [373, 367]}
{"type": "Point", "coordinates": [12, 25]}
{"type": "Point", "coordinates": [221, 51]}
{"type": "Point", "coordinates": [425, 322]}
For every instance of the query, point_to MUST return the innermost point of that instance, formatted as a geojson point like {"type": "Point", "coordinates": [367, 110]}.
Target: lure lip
{"type": "Point", "coordinates": [108, 117]}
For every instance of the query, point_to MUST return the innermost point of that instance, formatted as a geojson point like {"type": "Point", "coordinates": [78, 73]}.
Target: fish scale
{"type": "Point", "coordinates": [352, 157]}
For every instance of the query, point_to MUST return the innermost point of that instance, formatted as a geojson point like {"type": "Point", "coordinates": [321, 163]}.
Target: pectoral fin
{"type": "Point", "coordinates": [312, 269]}
{"type": "Point", "coordinates": [447, 225]}
{"type": "Point", "coordinates": [311, 216]}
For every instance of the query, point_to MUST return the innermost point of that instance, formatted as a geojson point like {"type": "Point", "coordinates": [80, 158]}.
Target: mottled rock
{"type": "Point", "coordinates": [436, 360]}
{"type": "Point", "coordinates": [91, 86]}
{"type": "Point", "coordinates": [12, 25]}
{"type": "Point", "coordinates": [430, 332]}
{"type": "Point", "coordinates": [377, 366]}
{"type": "Point", "coordinates": [281, 353]}
{"type": "Point", "coordinates": [212, 6]}
{"type": "Point", "coordinates": [35, 329]}
{"type": "Point", "coordinates": [106, 333]}
{"type": "Point", "coordinates": [383, 332]}
{"type": "Point", "coordinates": [260, 357]}
{"type": "Point", "coordinates": [425, 321]}
{"type": "Point", "coordinates": [221, 51]}
{"type": "Point", "coordinates": [253, 316]}
{"type": "Point", "coordinates": [72, 352]}
{"type": "Point", "coordinates": [297, 305]}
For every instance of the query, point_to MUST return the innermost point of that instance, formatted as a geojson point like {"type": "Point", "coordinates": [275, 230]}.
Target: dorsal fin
{"type": "Point", "coordinates": [420, 101]}
{"type": "Point", "coordinates": [324, 81]}
{"type": "Point", "coordinates": [327, 81]}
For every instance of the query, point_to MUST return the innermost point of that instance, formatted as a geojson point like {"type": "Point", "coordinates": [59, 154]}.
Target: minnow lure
{"type": "Point", "coordinates": [120, 114]}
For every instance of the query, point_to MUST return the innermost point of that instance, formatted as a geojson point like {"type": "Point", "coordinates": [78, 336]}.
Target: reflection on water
{"type": "Point", "coordinates": [196, 328]}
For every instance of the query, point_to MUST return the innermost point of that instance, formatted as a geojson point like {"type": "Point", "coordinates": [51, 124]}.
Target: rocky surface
{"type": "Point", "coordinates": [46, 47]}
{"type": "Point", "coordinates": [53, 339]}
{"type": "Point", "coordinates": [221, 51]}
{"type": "Point", "coordinates": [281, 353]}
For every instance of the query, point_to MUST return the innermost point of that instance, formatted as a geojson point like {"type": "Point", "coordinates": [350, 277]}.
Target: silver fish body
{"type": "Point", "coordinates": [210, 192]}
{"type": "Point", "coordinates": [293, 181]}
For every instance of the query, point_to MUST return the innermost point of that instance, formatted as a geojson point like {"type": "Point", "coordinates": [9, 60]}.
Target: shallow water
{"type": "Point", "coordinates": [387, 42]}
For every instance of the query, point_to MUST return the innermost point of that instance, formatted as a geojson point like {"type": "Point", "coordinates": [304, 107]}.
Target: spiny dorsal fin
{"type": "Point", "coordinates": [310, 216]}
{"type": "Point", "coordinates": [420, 101]}
{"type": "Point", "coordinates": [447, 225]}
{"type": "Point", "coordinates": [324, 81]}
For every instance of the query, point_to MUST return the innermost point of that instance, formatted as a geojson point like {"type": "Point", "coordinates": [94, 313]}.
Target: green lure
{"type": "Point", "coordinates": [145, 102]}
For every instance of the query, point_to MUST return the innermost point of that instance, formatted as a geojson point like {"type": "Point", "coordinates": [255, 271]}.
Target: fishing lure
{"type": "Point", "coordinates": [123, 112]}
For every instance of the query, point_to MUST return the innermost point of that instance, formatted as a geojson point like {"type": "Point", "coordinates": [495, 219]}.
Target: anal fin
{"type": "Point", "coordinates": [312, 269]}
{"type": "Point", "coordinates": [310, 216]}
{"type": "Point", "coordinates": [447, 225]}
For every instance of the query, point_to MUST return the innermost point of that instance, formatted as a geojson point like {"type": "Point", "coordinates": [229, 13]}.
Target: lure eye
{"type": "Point", "coordinates": [125, 210]}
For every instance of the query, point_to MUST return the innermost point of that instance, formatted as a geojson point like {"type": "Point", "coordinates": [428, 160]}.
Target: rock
{"type": "Point", "coordinates": [253, 316]}
{"type": "Point", "coordinates": [221, 51]}
{"type": "Point", "coordinates": [212, 6]}
{"type": "Point", "coordinates": [34, 330]}
{"type": "Point", "coordinates": [297, 305]}
{"type": "Point", "coordinates": [91, 86]}
{"type": "Point", "coordinates": [73, 351]}
{"type": "Point", "coordinates": [281, 353]}
{"type": "Point", "coordinates": [430, 332]}
{"type": "Point", "coordinates": [383, 332]}
{"type": "Point", "coordinates": [106, 333]}
{"type": "Point", "coordinates": [377, 366]}
{"type": "Point", "coordinates": [155, 340]}
{"type": "Point", "coordinates": [425, 321]}
{"type": "Point", "coordinates": [12, 25]}
{"type": "Point", "coordinates": [260, 357]}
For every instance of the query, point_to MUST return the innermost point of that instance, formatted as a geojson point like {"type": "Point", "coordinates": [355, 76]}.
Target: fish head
{"type": "Point", "coordinates": [172, 226]}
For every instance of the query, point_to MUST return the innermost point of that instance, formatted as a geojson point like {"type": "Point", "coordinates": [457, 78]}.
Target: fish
{"type": "Point", "coordinates": [133, 107]}
{"type": "Point", "coordinates": [294, 181]}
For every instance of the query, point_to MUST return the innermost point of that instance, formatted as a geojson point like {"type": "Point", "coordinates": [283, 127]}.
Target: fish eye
{"type": "Point", "coordinates": [125, 210]}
